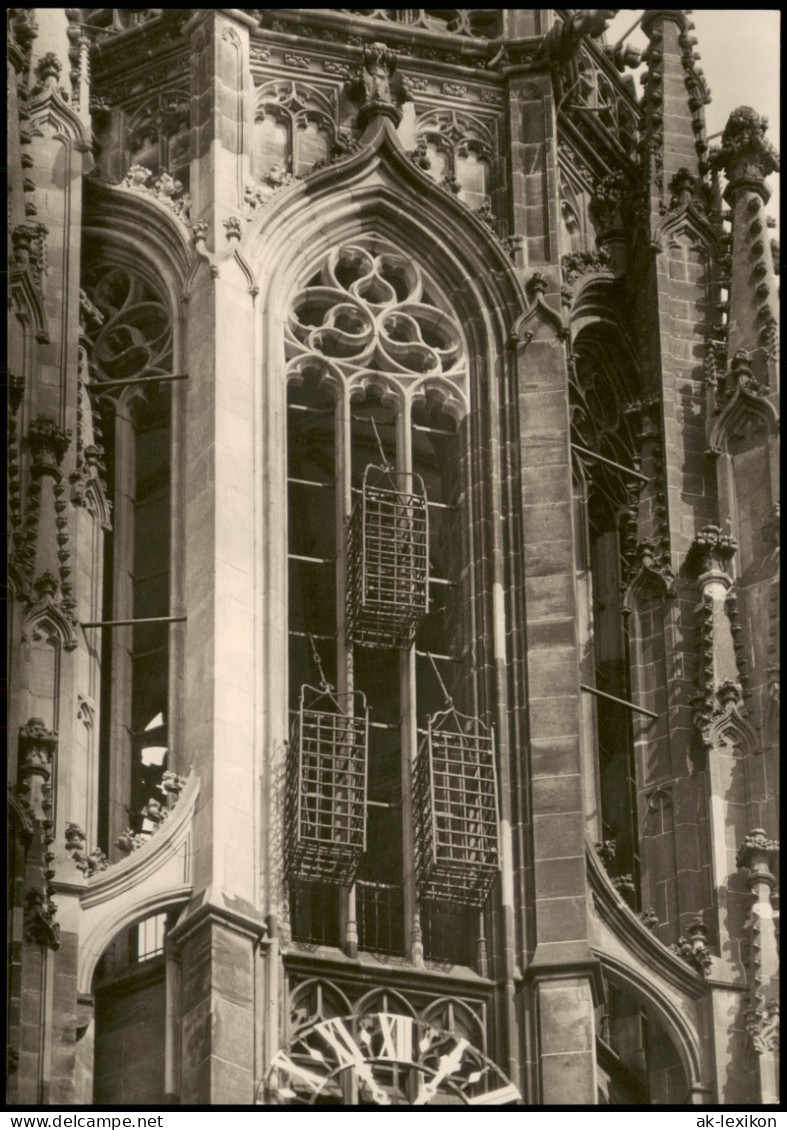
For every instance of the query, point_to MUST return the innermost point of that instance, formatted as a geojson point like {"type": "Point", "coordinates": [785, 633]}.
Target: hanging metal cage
{"type": "Point", "coordinates": [326, 786]}
{"type": "Point", "coordinates": [456, 818]}
{"type": "Point", "coordinates": [388, 577]}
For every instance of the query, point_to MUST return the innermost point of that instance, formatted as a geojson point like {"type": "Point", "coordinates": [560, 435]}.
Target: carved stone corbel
{"type": "Point", "coordinates": [39, 919]}
{"type": "Point", "coordinates": [37, 750]}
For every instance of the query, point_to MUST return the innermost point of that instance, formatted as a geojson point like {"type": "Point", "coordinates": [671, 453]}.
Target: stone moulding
{"type": "Point", "coordinates": [612, 909]}
{"type": "Point", "coordinates": [381, 156]}
{"type": "Point", "coordinates": [631, 954]}
{"type": "Point", "coordinates": [158, 876]}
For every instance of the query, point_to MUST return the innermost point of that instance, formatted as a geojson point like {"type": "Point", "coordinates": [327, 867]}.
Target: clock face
{"type": "Point", "coordinates": [384, 1059]}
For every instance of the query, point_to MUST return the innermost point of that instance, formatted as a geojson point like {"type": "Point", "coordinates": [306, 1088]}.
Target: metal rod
{"type": "Point", "coordinates": [625, 36]}
{"type": "Point", "coordinates": [611, 463]}
{"type": "Point", "coordinates": [619, 701]}
{"type": "Point", "coordinates": [127, 623]}
{"type": "Point", "coordinates": [311, 560]}
{"type": "Point", "coordinates": [103, 386]}
{"type": "Point", "coordinates": [434, 431]}
{"type": "Point", "coordinates": [308, 483]}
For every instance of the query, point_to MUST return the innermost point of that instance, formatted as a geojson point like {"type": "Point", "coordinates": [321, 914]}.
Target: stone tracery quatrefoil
{"type": "Point", "coordinates": [373, 310]}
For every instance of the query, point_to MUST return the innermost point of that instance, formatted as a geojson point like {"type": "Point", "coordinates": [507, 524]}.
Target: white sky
{"type": "Point", "coordinates": [740, 54]}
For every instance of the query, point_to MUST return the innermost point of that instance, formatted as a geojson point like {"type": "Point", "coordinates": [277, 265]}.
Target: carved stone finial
{"type": "Point", "coordinates": [606, 202]}
{"type": "Point", "coordinates": [742, 374]}
{"type": "Point", "coordinates": [649, 918]}
{"type": "Point", "coordinates": [233, 228]}
{"type": "Point", "coordinates": [37, 743]}
{"type": "Point", "coordinates": [692, 947]}
{"type": "Point", "coordinates": [48, 444]}
{"type": "Point", "coordinates": [607, 850]}
{"type": "Point", "coordinates": [684, 187]}
{"type": "Point", "coordinates": [745, 153]}
{"type": "Point", "coordinates": [377, 89]}
{"type": "Point", "coordinates": [729, 694]}
{"type": "Point", "coordinates": [48, 67]}
{"type": "Point", "coordinates": [39, 919]}
{"type": "Point", "coordinates": [757, 852]}
{"type": "Point", "coordinates": [75, 837]}
{"type": "Point", "coordinates": [762, 1027]}
{"type": "Point", "coordinates": [45, 585]}
{"type": "Point", "coordinates": [37, 749]}
{"type": "Point", "coordinates": [537, 284]}
{"type": "Point", "coordinates": [711, 551]}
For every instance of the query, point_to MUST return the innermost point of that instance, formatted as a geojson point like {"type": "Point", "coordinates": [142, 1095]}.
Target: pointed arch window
{"type": "Point", "coordinates": [132, 345]}
{"type": "Point", "coordinates": [460, 150]}
{"type": "Point", "coordinates": [605, 455]}
{"type": "Point", "coordinates": [293, 129]}
{"type": "Point", "coordinates": [377, 372]}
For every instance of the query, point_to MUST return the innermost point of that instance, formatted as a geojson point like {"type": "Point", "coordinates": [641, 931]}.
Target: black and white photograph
{"type": "Point", "coordinates": [392, 563]}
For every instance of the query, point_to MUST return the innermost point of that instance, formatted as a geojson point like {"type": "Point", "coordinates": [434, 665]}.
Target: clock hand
{"type": "Point", "coordinates": [350, 1055]}
{"type": "Point", "coordinates": [448, 1065]}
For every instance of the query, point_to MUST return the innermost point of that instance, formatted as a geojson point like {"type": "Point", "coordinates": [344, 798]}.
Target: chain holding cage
{"type": "Point", "coordinates": [388, 576]}
{"type": "Point", "coordinates": [326, 786]}
{"type": "Point", "coordinates": [457, 853]}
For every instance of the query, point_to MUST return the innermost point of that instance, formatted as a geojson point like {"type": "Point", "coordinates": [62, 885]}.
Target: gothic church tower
{"type": "Point", "coordinates": [393, 563]}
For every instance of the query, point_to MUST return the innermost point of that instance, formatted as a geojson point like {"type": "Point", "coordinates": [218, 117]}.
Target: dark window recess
{"type": "Point", "coordinates": [449, 933]}
{"type": "Point", "coordinates": [380, 916]}
{"type": "Point", "coordinates": [314, 913]}
{"type": "Point", "coordinates": [135, 660]}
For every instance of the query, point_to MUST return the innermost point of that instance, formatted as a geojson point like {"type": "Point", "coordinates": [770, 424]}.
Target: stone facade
{"type": "Point", "coordinates": [393, 563]}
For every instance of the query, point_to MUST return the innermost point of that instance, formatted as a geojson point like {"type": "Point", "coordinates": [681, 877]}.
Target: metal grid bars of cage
{"type": "Point", "coordinates": [388, 578]}
{"type": "Point", "coordinates": [455, 802]}
{"type": "Point", "coordinates": [326, 787]}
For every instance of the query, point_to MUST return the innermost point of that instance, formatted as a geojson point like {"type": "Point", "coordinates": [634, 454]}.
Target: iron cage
{"type": "Point", "coordinates": [456, 816]}
{"type": "Point", "coordinates": [326, 786]}
{"type": "Point", "coordinates": [388, 577]}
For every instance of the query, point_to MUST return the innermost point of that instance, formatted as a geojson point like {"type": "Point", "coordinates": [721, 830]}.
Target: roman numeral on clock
{"type": "Point", "coordinates": [397, 1034]}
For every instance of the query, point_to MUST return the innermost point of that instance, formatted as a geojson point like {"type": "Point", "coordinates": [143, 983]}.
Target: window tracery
{"type": "Point", "coordinates": [459, 148]}
{"type": "Point", "coordinates": [377, 371]}
{"type": "Point", "coordinates": [480, 23]}
{"type": "Point", "coordinates": [294, 128]}
{"type": "Point", "coordinates": [590, 96]}
{"type": "Point", "coordinates": [158, 135]}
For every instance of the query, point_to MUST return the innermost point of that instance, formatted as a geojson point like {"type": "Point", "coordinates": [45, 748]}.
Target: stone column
{"type": "Point", "coordinates": [747, 158]}
{"type": "Point", "coordinates": [757, 855]}
{"type": "Point", "coordinates": [52, 668]}
{"type": "Point", "coordinates": [559, 964]}
{"type": "Point", "coordinates": [216, 938]}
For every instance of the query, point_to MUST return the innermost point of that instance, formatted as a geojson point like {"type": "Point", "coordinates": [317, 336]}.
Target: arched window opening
{"type": "Point", "coordinates": [293, 129]}
{"type": "Point", "coordinates": [133, 343]}
{"type": "Point", "coordinates": [460, 152]}
{"type": "Point", "coordinates": [129, 987]}
{"type": "Point", "coordinates": [157, 136]}
{"type": "Point", "coordinates": [605, 496]}
{"type": "Point", "coordinates": [638, 1064]}
{"type": "Point", "coordinates": [377, 378]}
